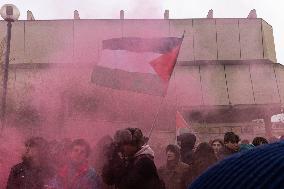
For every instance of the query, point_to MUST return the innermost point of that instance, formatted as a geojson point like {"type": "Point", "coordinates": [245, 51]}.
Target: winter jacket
{"type": "Point", "coordinates": [24, 176]}
{"type": "Point", "coordinates": [138, 172]}
{"type": "Point", "coordinates": [175, 177]}
{"type": "Point", "coordinates": [83, 177]}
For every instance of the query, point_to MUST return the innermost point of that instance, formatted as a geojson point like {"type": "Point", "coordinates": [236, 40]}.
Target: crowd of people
{"type": "Point", "coordinates": [124, 161]}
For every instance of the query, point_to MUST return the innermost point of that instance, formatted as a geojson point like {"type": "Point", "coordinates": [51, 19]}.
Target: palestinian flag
{"type": "Point", "coordinates": [142, 65]}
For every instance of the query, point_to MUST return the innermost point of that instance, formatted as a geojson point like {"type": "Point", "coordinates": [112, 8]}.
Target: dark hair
{"type": "Point", "coordinates": [217, 140]}
{"type": "Point", "coordinates": [187, 141]}
{"type": "Point", "coordinates": [137, 136]}
{"type": "Point", "coordinates": [84, 143]}
{"type": "Point", "coordinates": [37, 142]}
{"type": "Point", "coordinates": [42, 146]}
{"type": "Point", "coordinates": [133, 136]}
{"type": "Point", "coordinates": [231, 137]}
{"type": "Point", "coordinates": [175, 149]}
{"type": "Point", "coordinates": [259, 140]}
{"type": "Point", "coordinates": [203, 149]}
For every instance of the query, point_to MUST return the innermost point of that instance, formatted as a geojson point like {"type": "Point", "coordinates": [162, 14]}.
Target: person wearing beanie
{"type": "Point", "coordinates": [231, 145]}
{"type": "Point", "coordinates": [261, 167]}
{"type": "Point", "coordinates": [187, 143]}
{"type": "Point", "coordinates": [203, 158]}
{"type": "Point", "coordinates": [174, 173]}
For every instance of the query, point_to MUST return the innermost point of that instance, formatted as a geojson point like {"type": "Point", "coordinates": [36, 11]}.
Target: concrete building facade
{"type": "Point", "coordinates": [226, 76]}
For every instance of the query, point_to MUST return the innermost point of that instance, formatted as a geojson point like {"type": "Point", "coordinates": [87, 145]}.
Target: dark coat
{"type": "Point", "coordinates": [23, 176]}
{"type": "Point", "coordinates": [175, 177]}
{"type": "Point", "coordinates": [138, 172]}
{"type": "Point", "coordinates": [187, 155]}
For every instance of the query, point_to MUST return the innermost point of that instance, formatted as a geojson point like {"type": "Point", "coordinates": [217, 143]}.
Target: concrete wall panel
{"type": "Point", "coordinates": [239, 84]}
{"type": "Point", "coordinates": [17, 51]}
{"type": "Point", "coordinates": [188, 86]}
{"type": "Point", "coordinates": [177, 27]}
{"type": "Point", "coordinates": [2, 39]}
{"type": "Point", "coordinates": [279, 71]}
{"type": "Point", "coordinates": [49, 41]}
{"type": "Point", "coordinates": [213, 82]}
{"type": "Point", "coordinates": [228, 39]}
{"type": "Point", "coordinates": [88, 36]}
{"type": "Point", "coordinates": [251, 39]}
{"type": "Point", "coordinates": [268, 42]}
{"type": "Point", "coordinates": [205, 44]}
{"type": "Point", "coordinates": [146, 28]}
{"type": "Point", "coordinates": [264, 83]}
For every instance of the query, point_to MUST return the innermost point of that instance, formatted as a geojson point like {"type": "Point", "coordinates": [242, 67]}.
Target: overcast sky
{"type": "Point", "coordinates": [269, 10]}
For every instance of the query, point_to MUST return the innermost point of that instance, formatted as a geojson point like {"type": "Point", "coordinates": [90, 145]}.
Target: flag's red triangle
{"type": "Point", "coordinates": [180, 122]}
{"type": "Point", "coordinates": [164, 65]}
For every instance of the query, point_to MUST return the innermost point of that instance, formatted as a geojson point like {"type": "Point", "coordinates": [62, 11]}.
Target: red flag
{"type": "Point", "coordinates": [164, 65]}
{"type": "Point", "coordinates": [180, 122]}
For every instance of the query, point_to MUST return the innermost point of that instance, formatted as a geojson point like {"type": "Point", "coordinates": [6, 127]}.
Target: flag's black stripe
{"type": "Point", "coordinates": [132, 81]}
{"type": "Point", "coordinates": [135, 44]}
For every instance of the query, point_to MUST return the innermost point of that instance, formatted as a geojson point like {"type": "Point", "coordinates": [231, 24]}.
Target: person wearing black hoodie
{"type": "Point", "coordinates": [131, 164]}
{"type": "Point", "coordinates": [187, 143]}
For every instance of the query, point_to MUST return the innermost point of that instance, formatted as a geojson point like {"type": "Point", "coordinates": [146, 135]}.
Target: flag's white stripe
{"type": "Point", "coordinates": [128, 61]}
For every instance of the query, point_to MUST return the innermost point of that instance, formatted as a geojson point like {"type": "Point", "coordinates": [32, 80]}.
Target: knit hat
{"type": "Point", "coordinates": [261, 167]}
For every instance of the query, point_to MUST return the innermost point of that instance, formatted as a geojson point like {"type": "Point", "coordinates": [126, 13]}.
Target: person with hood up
{"type": "Point", "coordinates": [187, 143]}
{"type": "Point", "coordinates": [131, 165]}
{"type": "Point", "coordinates": [174, 173]}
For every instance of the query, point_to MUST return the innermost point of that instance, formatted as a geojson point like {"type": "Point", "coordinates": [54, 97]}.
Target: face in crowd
{"type": "Point", "coordinates": [80, 150]}
{"type": "Point", "coordinates": [231, 141]}
{"type": "Point", "coordinates": [233, 145]}
{"type": "Point", "coordinates": [32, 154]}
{"type": "Point", "coordinates": [78, 154]}
{"type": "Point", "coordinates": [170, 156]}
{"type": "Point", "coordinates": [36, 151]}
{"type": "Point", "coordinates": [216, 145]}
